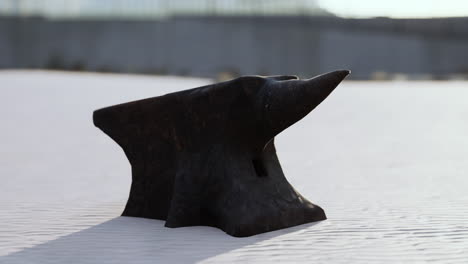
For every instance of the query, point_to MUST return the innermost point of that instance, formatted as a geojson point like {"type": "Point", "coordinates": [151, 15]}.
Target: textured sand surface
{"type": "Point", "coordinates": [387, 161]}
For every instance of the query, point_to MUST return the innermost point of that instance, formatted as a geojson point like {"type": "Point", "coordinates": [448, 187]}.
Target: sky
{"type": "Point", "coordinates": [396, 8]}
{"type": "Point", "coordinates": [345, 8]}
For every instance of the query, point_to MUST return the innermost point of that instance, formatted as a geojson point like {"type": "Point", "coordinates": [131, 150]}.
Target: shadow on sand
{"type": "Point", "coordinates": [138, 240]}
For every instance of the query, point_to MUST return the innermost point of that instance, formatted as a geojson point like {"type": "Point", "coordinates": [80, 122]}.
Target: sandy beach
{"type": "Point", "coordinates": [388, 162]}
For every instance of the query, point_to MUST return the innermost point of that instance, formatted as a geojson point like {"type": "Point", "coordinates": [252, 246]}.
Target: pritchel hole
{"type": "Point", "coordinates": [259, 168]}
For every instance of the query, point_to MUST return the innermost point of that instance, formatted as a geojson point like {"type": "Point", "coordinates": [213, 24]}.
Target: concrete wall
{"type": "Point", "coordinates": [206, 46]}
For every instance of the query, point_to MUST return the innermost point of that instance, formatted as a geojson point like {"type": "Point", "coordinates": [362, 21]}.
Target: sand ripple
{"type": "Point", "coordinates": [387, 161]}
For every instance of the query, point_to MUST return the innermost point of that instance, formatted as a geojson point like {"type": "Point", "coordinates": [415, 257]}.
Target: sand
{"type": "Point", "coordinates": [388, 162]}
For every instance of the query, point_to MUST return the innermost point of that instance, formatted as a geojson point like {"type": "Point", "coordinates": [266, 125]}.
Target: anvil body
{"type": "Point", "coordinates": [206, 156]}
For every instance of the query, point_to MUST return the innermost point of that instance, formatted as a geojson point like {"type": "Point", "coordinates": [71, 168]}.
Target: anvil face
{"type": "Point", "coordinates": [206, 156]}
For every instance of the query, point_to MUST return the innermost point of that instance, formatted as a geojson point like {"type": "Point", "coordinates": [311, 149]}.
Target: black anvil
{"type": "Point", "coordinates": [206, 156]}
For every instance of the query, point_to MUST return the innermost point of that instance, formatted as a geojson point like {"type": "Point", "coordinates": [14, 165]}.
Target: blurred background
{"type": "Point", "coordinates": [226, 38]}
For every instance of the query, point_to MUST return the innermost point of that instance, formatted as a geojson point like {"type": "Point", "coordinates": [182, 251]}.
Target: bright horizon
{"type": "Point", "coordinates": [356, 8]}
{"type": "Point", "coordinates": [396, 8]}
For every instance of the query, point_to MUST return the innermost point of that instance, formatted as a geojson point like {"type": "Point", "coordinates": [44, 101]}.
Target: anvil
{"type": "Point", "coordinates": [206, 156]}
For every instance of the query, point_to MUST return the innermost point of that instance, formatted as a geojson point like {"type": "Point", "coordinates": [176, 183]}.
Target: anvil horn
{"type": "Point", "coordinates": [288, 101]}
